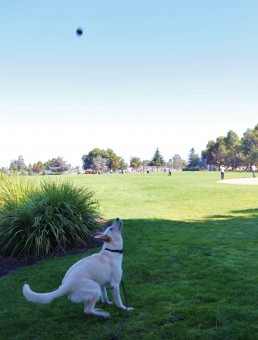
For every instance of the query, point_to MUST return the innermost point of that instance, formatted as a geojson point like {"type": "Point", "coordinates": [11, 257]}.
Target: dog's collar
{"type": "Point", "coordinates": [115, 250]}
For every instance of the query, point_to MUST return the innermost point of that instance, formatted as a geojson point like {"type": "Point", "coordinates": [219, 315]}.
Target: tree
{"type": "Point", "coordinates": [21, 164]}
{"type": "Point", "coordinates": [135, 162]}
{"type": "Point", "coordinates": [232, 149]}
{"type": "Point", "coordinates": [177, 162]}
{"type": "Point", "coordinates": [3, 170]}
{"type": "Point", "coordinates": [38, 167]}
{"type": "Point", "coordinates": [215, 152]}
{"type": "Point", "coordinates": [122, 164]}
{"type": "Point", "coordinates": [112, 160]}
{"type": "Point", "coordinates": [208, 153]}
{"type": "Point", "coordinates": [193, 159]}
{"type": "Point", "coordinates": [58, 165]}
{"type": "Point", "coordinates": [18, 165]}
{"type": "Point", "coordinates": [99, 163]}
{"type": "Point", "coordinates": [225, 150]}
{"type": "Point", "coordinates": [88, 159]}
{"type": "Point", "coordinates": [157, 159]}
{"type": "Point", "coordinates": [145, 164]}
{"type": "Point", "coordinates": [249, 144]}
{"type": "Point", "coordinates": [13, 166]}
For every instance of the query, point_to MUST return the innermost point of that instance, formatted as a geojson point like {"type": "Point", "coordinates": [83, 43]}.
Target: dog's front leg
{"type": "Point", "coordinates": [104, 295]}
{"type": "Point", "coordinates": [116, 294]}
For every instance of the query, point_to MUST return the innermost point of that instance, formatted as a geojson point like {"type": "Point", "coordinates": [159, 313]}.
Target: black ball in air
{"type": "Point", "coordinates": [79, 31]}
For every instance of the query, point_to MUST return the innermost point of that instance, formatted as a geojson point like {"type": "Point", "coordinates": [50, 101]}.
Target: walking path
{"type": "Point", "coordinates": [245, 181]}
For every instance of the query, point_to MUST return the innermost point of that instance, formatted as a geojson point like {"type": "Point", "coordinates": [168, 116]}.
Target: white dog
{"type": "Point", "coordinates": [87, 279]}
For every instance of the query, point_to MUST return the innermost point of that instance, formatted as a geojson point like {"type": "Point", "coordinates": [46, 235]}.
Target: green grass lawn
{"type": "Point", "coordinates": [191, 250]}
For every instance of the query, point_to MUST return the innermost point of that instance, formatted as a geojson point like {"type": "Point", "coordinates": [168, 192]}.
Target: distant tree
{"type": "Point", "coordinates": [99, 163]}
{"type": "Point", "coordinates": [177, 162]}
{"type": "Point", "coordinates": [135, 162]}
{"type": "Point", "coordinates": [225, 150]}
{"type": "Point", "coordinates": [157, 159]}
{"type": "Point", "coordinates": [208, 153]}
{"type": "Point", "coordinates": [38, 167]}
{"type": "Point", "coordinates": [18, 165]}
{"type": "Point", "coordinates": [21, 166]}
{"type": "Point", "coordinates": [122, 164]}
{"type": "Point", "coordinates": [218, 151]}
{"type": "Point", "coordinates": [58, 165]}
{"type": "Point", "coordinates": [3, 170]}
{"type": "Point", "coordinates": [145, 164]}
{"type": "Point", "coordinates": [13, 166]}
{"type": "Point", "coordinates": [233, 152]}
{"type": "Point", "coordinates": [112, 160]}
{"type": "Point", "coordinates": [193, 159]}
{"type": "Point", "coordinates": [249, 143]}
{"type": "Point", "coordinates": [87, 159]}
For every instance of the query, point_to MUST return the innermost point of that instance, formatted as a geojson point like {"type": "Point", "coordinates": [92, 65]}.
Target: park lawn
{"type": "Point", "coordinates": [190, 251]}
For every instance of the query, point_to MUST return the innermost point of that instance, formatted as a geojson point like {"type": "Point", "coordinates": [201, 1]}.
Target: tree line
{"type": "Point", "coordinates": [100, 160]}
{"type": "Point", "coordinates": [56, 165]}
{"type": "Point", "coordinates": [232, 151]}
{"type": "Point", "coordinates": [229, 150]}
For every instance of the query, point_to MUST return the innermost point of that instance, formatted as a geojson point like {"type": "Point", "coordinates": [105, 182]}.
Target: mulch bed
{"type": "Point", "coordinates": [8, 264]}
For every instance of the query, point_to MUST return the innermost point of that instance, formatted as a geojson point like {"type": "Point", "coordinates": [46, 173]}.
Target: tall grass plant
{"type": "Point", "coordinates": [46, 217]}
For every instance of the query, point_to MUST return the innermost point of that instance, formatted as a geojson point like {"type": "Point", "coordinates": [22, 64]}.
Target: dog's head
{"type": "Point", "coordinates": [112, 233]}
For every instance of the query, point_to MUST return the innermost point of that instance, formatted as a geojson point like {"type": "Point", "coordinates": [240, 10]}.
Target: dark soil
{"type": "Point", "coordinates": [8, 264]}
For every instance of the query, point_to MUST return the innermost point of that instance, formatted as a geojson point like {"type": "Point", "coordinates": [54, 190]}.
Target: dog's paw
{"type": "Point", "coordinates": [125, 308]}
{"type": "Point", "coordinates": [98, 312]}
{"type": "Point", "coordinates": [107, 302]}
{"type": "Point", "coordinates": [103, 314]}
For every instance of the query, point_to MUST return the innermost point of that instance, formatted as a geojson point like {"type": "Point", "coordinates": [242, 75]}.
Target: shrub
{"type": "Point", "coordinates": [191, 169]}
{"type": "Point", "coordinates": [46, 218]}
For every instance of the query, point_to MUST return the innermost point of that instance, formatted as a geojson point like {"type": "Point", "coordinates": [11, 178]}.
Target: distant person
{"type": "Point", "coordinates": [222, 170]}
{"type": "Point", "coordinates": [253, 169]}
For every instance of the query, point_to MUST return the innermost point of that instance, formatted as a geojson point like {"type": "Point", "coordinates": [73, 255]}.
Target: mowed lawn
{"type": "Point", "coordinates": [190, 252]}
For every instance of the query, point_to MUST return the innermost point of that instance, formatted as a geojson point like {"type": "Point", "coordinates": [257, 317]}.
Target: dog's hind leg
{"type": "Point", "coordinates": [89, 306]}
{"type": "Point", "coordinates": [91, 294]}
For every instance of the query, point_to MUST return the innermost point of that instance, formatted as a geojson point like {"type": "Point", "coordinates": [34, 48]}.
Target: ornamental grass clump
{"type": "Point", "coordinates": [14, 189]}
{"type": "Point", "coordinates": [52, 217]}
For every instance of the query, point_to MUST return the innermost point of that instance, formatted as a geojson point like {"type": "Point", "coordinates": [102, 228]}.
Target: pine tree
{"type": "Point", "coordinates": [194, 159]}
{"type": "Point", "coordinates": [157, 159]}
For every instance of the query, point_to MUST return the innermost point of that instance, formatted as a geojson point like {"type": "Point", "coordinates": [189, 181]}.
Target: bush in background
{"type": "Point", "coordinates": [44, 218]}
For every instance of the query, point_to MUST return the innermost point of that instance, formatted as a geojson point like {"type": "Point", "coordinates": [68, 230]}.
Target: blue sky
{"type": "Point", "coordinates": [171, 74]}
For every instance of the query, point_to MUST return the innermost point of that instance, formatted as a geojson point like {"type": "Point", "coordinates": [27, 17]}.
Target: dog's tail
{"type": "Point", "coordinates": [43, 297]}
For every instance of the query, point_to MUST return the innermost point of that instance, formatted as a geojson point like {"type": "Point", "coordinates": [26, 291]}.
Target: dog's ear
{"type": "Point", "coordinates": [103, 237]}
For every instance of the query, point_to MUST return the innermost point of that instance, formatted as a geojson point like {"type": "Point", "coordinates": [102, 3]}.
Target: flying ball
{"type": "Point", "coordinates": [79, 31]}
